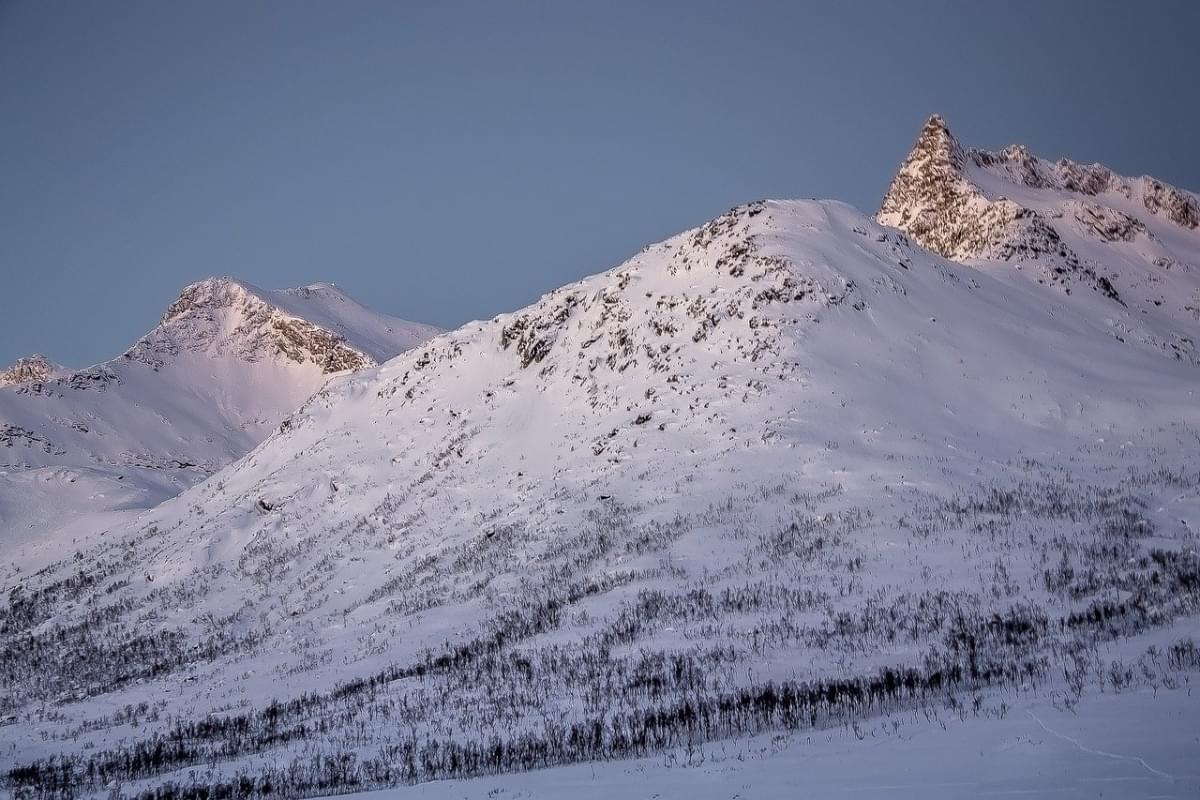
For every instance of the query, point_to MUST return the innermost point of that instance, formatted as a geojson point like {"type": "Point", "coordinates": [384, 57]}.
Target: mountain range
{"type": "Point", "coordinates": [796, 472]}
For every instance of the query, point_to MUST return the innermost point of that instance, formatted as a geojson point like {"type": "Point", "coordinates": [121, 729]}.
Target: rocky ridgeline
{"type": "Point", "coordinates": [933, 200]}
{"type": "Point", "coordinates": [1068, 225]}
{"type": "Point", "coordinates": [1019, 165]}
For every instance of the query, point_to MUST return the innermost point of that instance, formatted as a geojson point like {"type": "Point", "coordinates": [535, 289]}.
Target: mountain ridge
{"type": "Point", "coordinates": [1132, 241]}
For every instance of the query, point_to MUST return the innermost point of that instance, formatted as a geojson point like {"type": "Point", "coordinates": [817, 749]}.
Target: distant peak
{"type": "Point", "coordinates": [317, 323]}
{"type": "Point", "coordinates": [216, 292]}
{"type": "Point", "coordinates": [31, 368]}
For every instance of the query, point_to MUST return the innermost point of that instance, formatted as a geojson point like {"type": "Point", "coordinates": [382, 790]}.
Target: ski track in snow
{"type": "Point", "coordinates": [1105, 754]}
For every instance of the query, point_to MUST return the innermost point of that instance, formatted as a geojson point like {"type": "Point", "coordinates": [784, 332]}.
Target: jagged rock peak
{"type": "Point", "coordinates": [938, 145]}
{"type": "Point", "coordinates": [933, 201]}
{"type": "Point", "coordinates": [210, 293]}
{"type": "Point", "coordinates": [937, 163]}
{"type": "Point", "coordinates": [925, 183]}
{"type": "Point", "coordinates": [928, 188]}
{"type": "Point", "coordinates": [29, 369]}
{"type": "Point", "coordinates": [225, 315]}
{"type": "Point", "coordinates": [937, 197]}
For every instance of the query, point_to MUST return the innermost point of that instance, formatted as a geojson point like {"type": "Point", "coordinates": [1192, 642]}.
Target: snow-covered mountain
{"type": "Point", "coordinates": [226, 363]}
{"type": "Point", "coordinates": [787, 471]}
{"type": "Point", "coordinates": [1134, 242]}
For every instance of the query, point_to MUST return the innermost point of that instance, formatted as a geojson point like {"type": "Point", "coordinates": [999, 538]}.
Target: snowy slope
{"type": "Point", "coordinates": [1132, 245]}
{"type": "Point", "coordinates": [786, 471]}
{"type": "Point", "coordinates": [218, 373]}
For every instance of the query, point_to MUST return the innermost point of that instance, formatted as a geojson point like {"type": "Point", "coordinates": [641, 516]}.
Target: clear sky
{"type": "Point", "coordinates": [448, 161]}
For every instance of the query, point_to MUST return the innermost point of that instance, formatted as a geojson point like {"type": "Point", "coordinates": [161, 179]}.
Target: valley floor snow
{"type": "Point", "coordinates": [1129, 745]}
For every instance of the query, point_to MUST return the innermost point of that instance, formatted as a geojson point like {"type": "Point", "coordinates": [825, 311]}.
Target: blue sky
{"type": "Point", "coordinates": [450, 161]}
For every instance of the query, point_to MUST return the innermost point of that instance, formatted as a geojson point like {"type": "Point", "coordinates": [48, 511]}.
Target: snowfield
{"type": "Point", "coordinates": [786, 501]}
